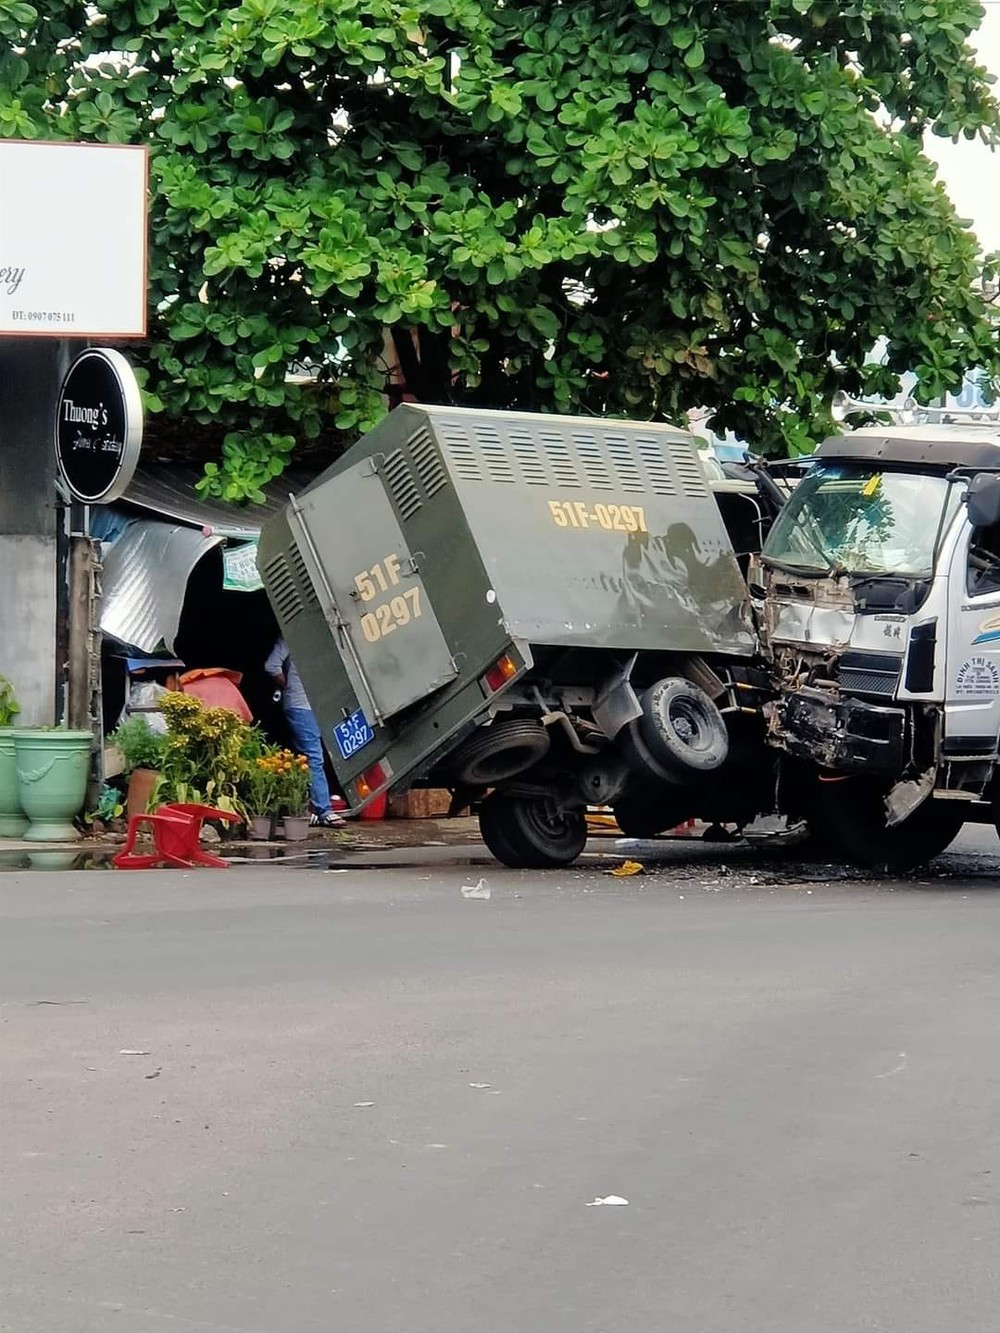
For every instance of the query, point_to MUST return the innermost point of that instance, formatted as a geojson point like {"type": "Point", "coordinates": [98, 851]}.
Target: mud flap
{"type": "Point", "coordinates": [906, 796]}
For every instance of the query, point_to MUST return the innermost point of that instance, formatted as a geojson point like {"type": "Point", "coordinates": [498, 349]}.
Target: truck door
{"type": "Point", "coordinates": [368, 582]}
{"type": "Point", "coordinates": [972, 688]}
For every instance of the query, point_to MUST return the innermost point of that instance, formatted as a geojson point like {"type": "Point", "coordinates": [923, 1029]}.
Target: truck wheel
{"type": "Point", "coordinates": [531, 835]}
{"type": "Point", "coordinates": [683, 728]}
{"type": "Point", "coordinates": [849, 821]}
{"type": "Point", "coordinates": [645, 814]}
{"type": "Point", "coordinates": [640, 759]}
{"type": "Point", "coordinates": [498, 752]}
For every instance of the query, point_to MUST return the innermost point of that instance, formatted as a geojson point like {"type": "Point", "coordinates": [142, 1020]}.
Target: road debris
{"type": "Point", "coordinates": [627, 869]}
{"type": "Point", "coordinates": [480, 891]}
{"type": "Point", "coordinates": [135, 1052]}
{"type": "Point", "coordinates": [361, 1105]}
{"type": "Point", "coordinates": [609, 1201]}
{"type": "Point", "coordinates": [480, 1085]}
{"type": "Point", "coordinates": [155, 1074]}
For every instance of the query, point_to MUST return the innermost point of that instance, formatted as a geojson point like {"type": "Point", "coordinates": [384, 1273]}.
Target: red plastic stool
{"type": "Point", "coordinates": [176, 830]}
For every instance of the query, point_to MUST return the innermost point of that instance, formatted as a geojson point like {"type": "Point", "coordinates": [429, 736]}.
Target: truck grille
{"type": "Point", "coordinates": [870, 673]}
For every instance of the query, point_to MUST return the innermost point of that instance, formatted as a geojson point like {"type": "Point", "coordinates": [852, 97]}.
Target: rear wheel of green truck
{"type": "Point", "coordinates": [531, 834]}
{"type": "Point", "coordinates": [849, 821]}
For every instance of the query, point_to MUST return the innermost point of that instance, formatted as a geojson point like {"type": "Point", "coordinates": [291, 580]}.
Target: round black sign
{"type": "Point", "coordinates": [98, 426]}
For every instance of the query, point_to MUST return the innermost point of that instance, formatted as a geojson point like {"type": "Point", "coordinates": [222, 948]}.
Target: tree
{"type": "Point", "coordinates": [602, 206]}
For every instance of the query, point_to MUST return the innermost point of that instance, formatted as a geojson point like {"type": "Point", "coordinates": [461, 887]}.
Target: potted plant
{"type": "Point", "coordinates": [53, 765]}
{"type": "Point", "coordinates": [291, 785]}
{"type": "Point", "coordinates": [260, 793]}
{"type": "Point", "coordinates": [12, 821]}
{"type": "Point", "coordinates": [206, 754]}
{"type": "Point", "coordinates": [142, 752]}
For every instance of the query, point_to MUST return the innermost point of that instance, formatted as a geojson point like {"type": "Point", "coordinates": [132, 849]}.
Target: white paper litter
{"type": "Point", "coordinates": [476, 891]}
{"type": "Point", "coordinates": [360, 1104]}
{"type": "Point", "coordinates": [480, 1085]}
{"type": "Point", "coordinates": [609, 1201]}
{"type": "Point", "coordinates": [135, 1052]}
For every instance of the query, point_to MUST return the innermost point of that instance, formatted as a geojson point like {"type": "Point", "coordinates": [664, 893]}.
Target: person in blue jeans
{"type": "Point", "coordinates": [305, 733]}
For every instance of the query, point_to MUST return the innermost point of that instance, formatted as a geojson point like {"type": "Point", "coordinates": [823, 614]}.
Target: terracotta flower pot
{"type": "Point", "coordinates": [12, 821]}
{"type": "Point", "coordinates": [261, 827]}
{"type": "Point", "coordinates": [141, 783]}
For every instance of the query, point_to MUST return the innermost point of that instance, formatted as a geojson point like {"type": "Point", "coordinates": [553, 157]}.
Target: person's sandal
{"type": "Point", "coordinates": [327, 820]}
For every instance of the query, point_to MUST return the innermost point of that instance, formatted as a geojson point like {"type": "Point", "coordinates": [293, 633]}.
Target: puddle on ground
{"type": "Point", "coordinates": [735, 865]}
{"type": "Point", "coordinates": [319, 859]}
{"type": "Point", "coordinates": [74, 860]}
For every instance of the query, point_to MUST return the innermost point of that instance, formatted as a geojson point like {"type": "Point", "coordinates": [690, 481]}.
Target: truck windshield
{"type": "Point", "coordinates": [860, 519]}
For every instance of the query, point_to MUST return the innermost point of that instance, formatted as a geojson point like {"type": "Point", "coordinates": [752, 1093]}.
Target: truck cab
{"type": "Point", "coordinates": [877, 601]}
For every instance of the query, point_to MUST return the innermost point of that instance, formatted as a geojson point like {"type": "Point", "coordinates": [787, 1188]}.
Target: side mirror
{"type": "Point", "coordinates": [982, 499]}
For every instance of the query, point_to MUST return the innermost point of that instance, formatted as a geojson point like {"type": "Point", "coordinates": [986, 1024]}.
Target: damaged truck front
{"type": "Point", "coordinates": [538, 613]}
{"type": "Point", "coordinates": [877, 599]}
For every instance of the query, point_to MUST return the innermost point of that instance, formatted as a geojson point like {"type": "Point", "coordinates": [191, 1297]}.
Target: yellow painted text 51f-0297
{"type": "Point", "coordinates": [600, 517]}
{"type": "Point", "coordinates": [396, 610]}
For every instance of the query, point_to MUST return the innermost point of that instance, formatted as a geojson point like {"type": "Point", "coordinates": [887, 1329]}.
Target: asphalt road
{"type": "Point", "coordinates": [279, 1100]}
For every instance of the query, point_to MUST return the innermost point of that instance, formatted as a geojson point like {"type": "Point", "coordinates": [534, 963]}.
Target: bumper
{"type": "Point", "coordinates": [842, 734]}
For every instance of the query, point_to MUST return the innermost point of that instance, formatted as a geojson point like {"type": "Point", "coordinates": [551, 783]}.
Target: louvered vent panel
{"type": "Point", "coordinates": [282, 588]}
{"type": "Point", "coordinates": [591, 456]}
{"type": "Point", "coordinates": [463, 453]}
{"type": "Point", "coordinates": [306, 589]}
{"type": "Point", "coordinates": [625, 465]}
{"type": "Point", "coordinates": [561, 461]}
{"type": "Point", "coordinates": [601, 460]}
{"type": "Point", "coordinates": [652, 454]}
{"type": "Point", "coordinates": [688, 469]}
{"type": "Point", "coordinates": [398, 477]}
{"type": "Point", "coordinates": [427, 462]}
{"type": "Point", "coordinates": [497, 463]}
{"type": "Point", "coordinates": [530, 463]}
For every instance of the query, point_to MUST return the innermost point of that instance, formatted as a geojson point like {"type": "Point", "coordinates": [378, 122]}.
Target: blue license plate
{"type": "Point", "coordinates": [353, 734]}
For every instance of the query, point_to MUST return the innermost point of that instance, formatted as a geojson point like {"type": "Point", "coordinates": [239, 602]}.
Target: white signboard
{"type": "Point", "coordinates": [72, 240]}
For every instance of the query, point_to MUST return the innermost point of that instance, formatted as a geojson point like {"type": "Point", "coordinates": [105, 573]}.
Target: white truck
{"type": "Point", "coordinates": [877, 603]}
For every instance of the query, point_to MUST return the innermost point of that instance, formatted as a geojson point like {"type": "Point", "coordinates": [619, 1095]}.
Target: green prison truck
{"type": "Point", "coordinates": [539, 613]}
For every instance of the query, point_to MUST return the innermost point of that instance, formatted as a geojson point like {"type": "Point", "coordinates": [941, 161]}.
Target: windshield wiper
{"type": "Point", "coordinates": [858, 579]}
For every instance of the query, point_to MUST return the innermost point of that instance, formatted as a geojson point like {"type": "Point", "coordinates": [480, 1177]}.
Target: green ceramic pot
{"type": "Point", "coordinates": [12, 821]}
{"type": "Point", "coordinates": [52, 771]}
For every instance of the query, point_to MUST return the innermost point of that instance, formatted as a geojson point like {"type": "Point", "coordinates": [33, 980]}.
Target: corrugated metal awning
{"type": "Point", "coordinates": [145, 580]}
{"type": "Point", "coordinates": [168, 489]}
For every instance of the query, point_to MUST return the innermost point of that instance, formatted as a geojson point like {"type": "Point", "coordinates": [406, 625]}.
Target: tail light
{"type": "Point", "coordinates": [502, 670]}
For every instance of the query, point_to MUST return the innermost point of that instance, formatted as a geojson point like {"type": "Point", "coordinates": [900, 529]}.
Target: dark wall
{"type": "Point", "coordinates": [31, 371]}
{"type": "Point", "coordinates": [230, 629]}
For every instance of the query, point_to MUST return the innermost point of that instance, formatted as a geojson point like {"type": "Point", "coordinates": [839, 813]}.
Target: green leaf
{"type": "Point", "coordinates": [588, 207]}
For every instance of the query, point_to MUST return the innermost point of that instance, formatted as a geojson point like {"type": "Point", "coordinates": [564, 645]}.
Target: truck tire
{"type": "Point", "coordinates": [493, 754]}
{"type": "Point", "coordinates": [530, 834]}
{"type": "Point", "coordinates": [849, 821]}
{"type": "Point", "coordinates": [648, 813]}
{"type": "Point", "coordinates": [683, 728]}
{"type": "Point", "coordinates": [640, 759]}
